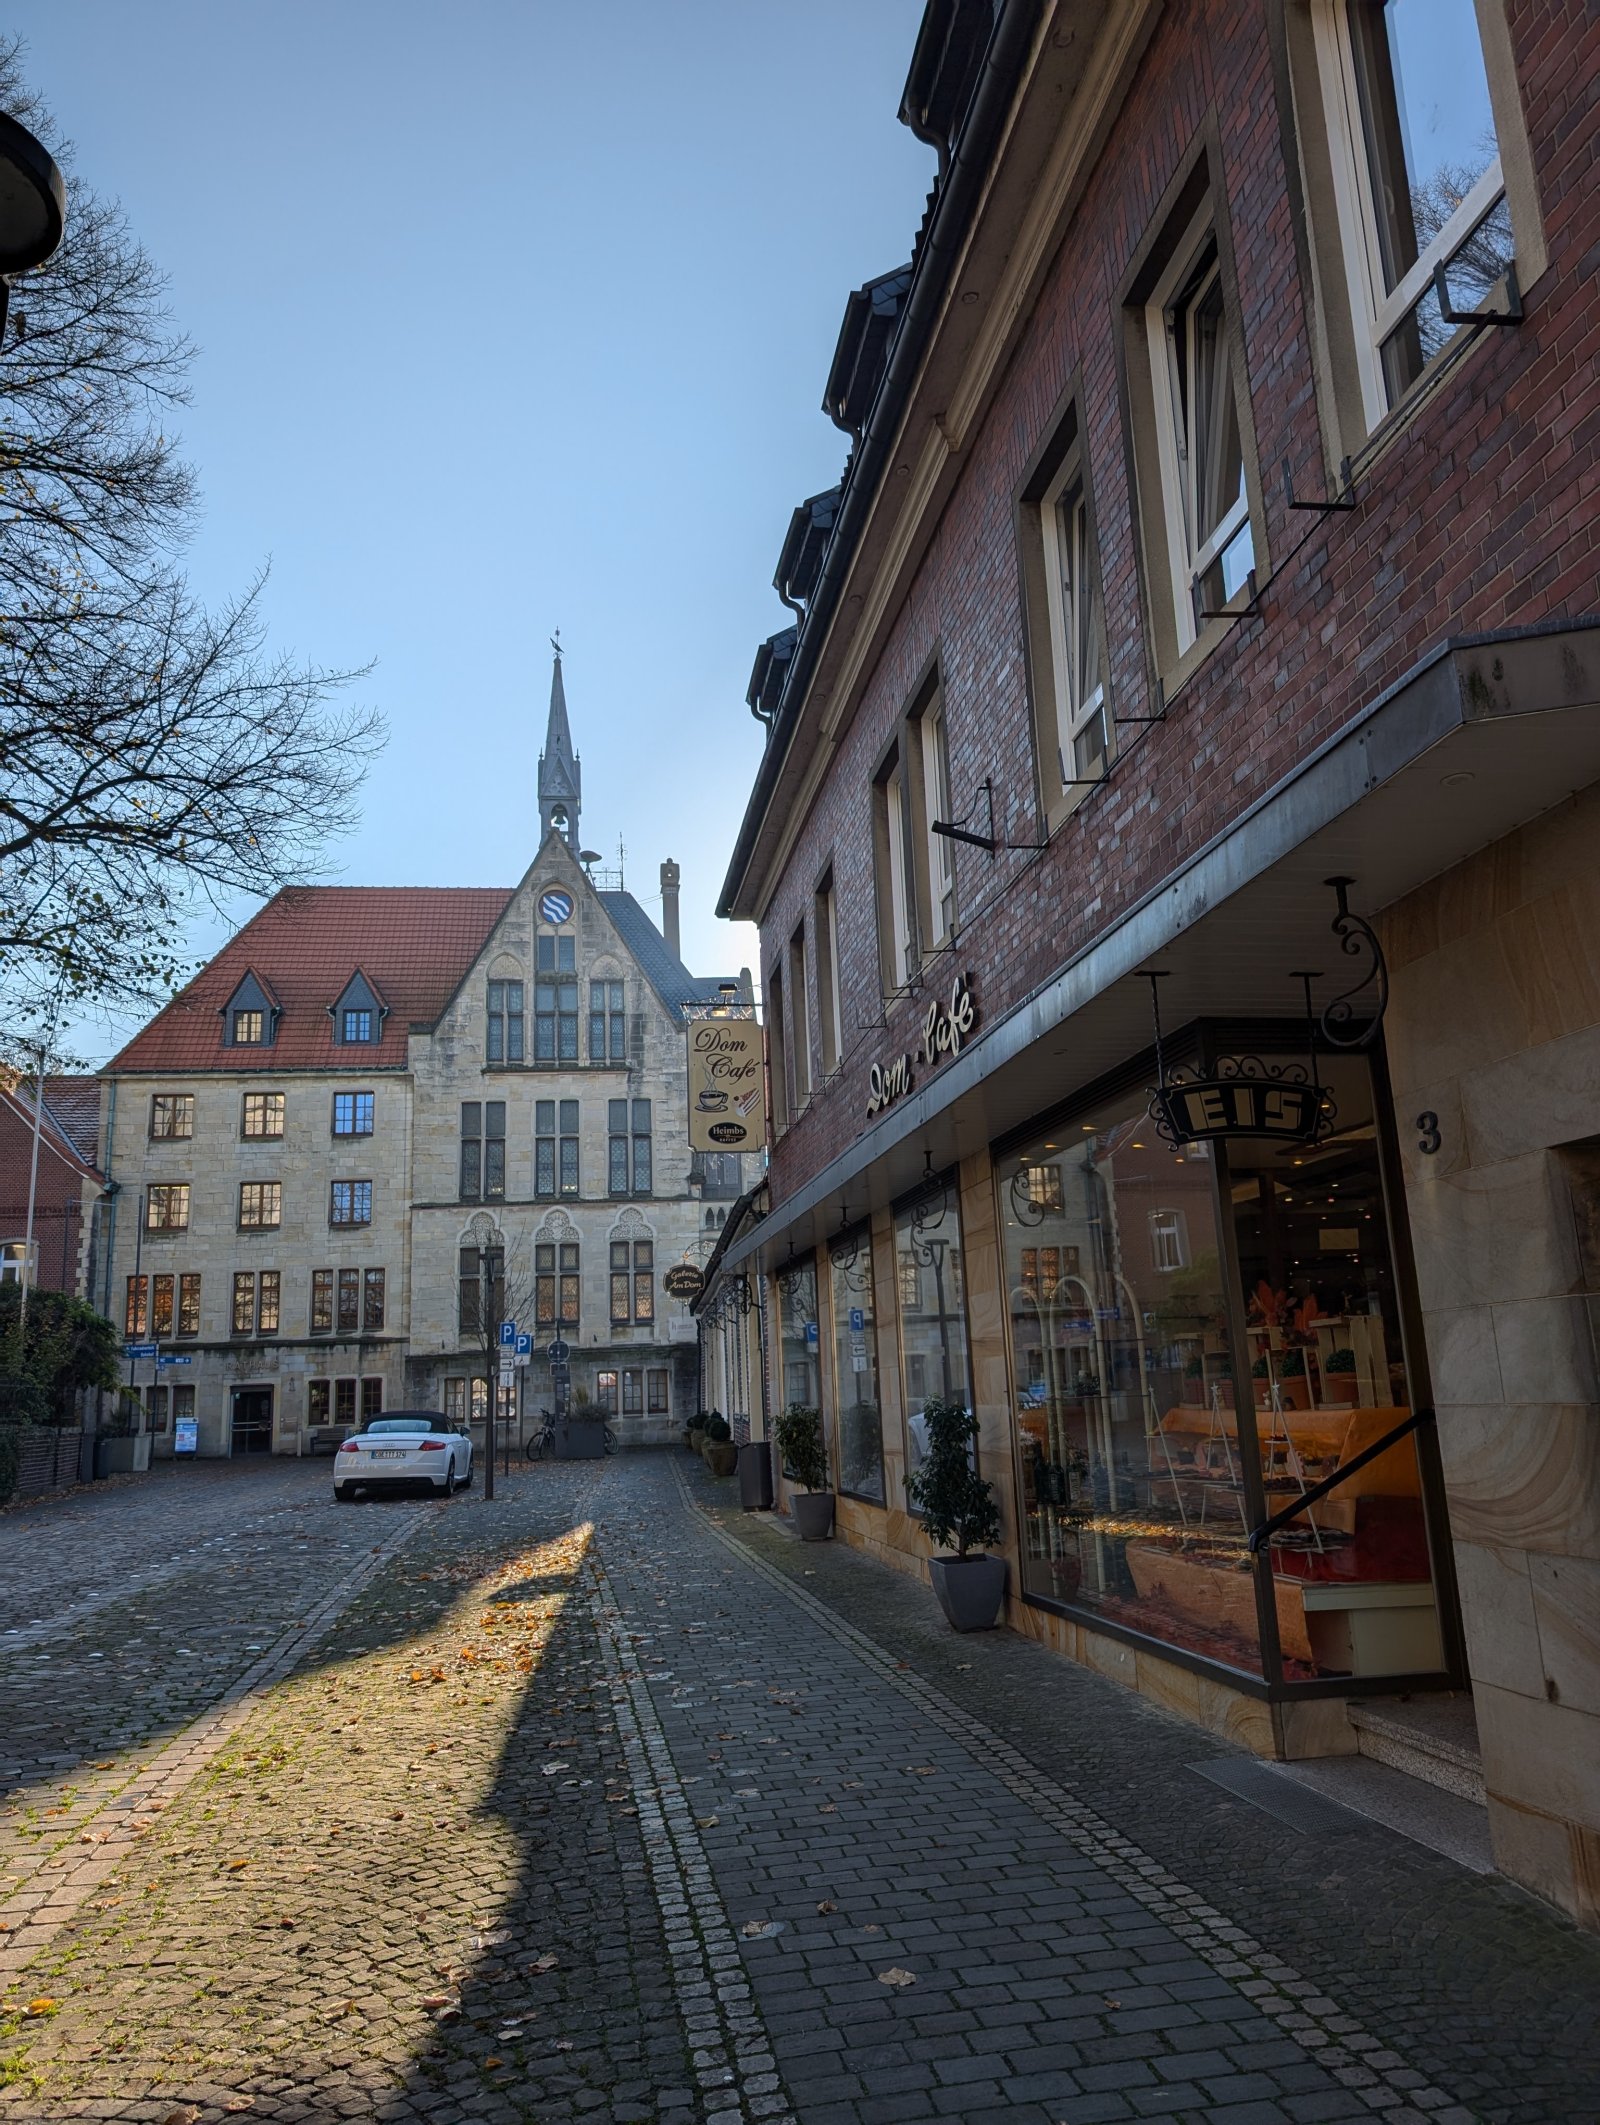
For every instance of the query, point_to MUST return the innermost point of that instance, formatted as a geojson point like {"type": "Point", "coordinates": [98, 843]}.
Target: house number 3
{"type": "Point", "coordinates": [1430, 1139]}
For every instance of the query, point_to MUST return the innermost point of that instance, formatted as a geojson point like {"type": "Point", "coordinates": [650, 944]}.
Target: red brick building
{"type": "Point", "coordinates": [1219, 523]}
{"type": "Point", "coordinates": [68, 1184]}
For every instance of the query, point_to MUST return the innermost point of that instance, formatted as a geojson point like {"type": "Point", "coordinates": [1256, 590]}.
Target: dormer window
{"type": "Point", "coordinates": [358, 1014]}
{"type": "Point", "coordinates": [250, 1015]}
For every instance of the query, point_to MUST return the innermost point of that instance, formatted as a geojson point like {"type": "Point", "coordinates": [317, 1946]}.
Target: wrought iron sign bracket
{"type": "Point", "coordinates": [1343, 1026]}
{"type": "Point", "coordinates": [958, 830]}
{"type": "Point", "coordinates": [1512, 314]}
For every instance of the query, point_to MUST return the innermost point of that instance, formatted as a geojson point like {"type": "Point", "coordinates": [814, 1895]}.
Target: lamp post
{"type": "Point", "coordinates": [488, 1315]}
{"type": "Point", "coordinates": [33, 207]}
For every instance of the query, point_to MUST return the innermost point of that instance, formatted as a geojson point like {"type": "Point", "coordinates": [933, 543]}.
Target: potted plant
{"type": "Point", "coordinates": [696, 1434]}
{"type": "Point", "coordinates": [1339, 1382]}
{"type": "Point", "coordinates": [803, 1455]}
{"type": "Point", "coordinates": [122, 1446]}
{"type": "Point", "coordinates": [720, 1454]}
{"type": "Point", "coordinates": [1296, 1388]}
{"type": "Point", "coordinates": [959, 1512]}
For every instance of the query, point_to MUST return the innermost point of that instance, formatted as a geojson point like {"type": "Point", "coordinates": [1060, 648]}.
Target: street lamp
{"type": "Point", "coordinates": [33, 206]}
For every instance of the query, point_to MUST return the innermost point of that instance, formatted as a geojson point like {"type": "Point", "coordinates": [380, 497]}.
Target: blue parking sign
{"type": "Point", "coordinates": [508, 1335]}
{"type": "Point", "coordinates": [858, 1319]}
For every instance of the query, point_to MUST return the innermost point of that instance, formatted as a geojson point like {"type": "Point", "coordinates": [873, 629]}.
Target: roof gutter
{"type": "Point", "coordinates": [958, 194]}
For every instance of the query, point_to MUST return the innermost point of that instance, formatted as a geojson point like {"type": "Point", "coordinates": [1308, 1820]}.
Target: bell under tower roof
{"type": "Point", "coordinates": [560, 771]}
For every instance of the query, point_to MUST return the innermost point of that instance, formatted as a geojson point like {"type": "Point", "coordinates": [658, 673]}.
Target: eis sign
{"type": "Point", "coordinates": [943, 1030]}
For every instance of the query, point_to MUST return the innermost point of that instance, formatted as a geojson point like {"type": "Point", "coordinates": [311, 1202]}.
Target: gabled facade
{"type": "Point", "coordinates": [1210, 608]}
{"type": "Point", "coordinates": [62, 1181]}
{"type": "Point", "coordinates": [371, 1099]}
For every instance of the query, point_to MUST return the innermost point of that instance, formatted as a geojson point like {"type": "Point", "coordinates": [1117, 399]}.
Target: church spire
{"type": "Point", "coordinates": [560, 774]}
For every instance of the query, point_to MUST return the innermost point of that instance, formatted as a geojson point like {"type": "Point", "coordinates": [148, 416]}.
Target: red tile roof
{"type": "Point", "coordinates": [413, 943]}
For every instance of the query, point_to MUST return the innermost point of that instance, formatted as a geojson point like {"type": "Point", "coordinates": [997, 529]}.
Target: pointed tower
{"type": "Point", "coordinates": [560, 775]}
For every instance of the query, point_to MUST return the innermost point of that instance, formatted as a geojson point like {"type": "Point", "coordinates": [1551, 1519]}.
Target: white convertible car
{"type": "Point", "coordinates": [404, 1446]}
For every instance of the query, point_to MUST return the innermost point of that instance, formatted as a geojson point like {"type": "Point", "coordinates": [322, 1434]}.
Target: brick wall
{"type": "Point", "coordinates": [1480, 515]}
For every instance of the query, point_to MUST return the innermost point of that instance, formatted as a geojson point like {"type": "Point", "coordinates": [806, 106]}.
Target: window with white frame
{"type": "Point", "coordinates": [939, 849]}
{"type": "Point", "coordinates": [829, 1006]}
{"type": "Point", "coordinates": [1194, 357]}
{"type": "Point", "coordinates": [1169, 1240]}
{"type": "Point", "coordinates": [1077, 629]}
{"type": "Point", "coordinates": [896, 905]}
{"type": "Point", "coordinates": [1417, 177]}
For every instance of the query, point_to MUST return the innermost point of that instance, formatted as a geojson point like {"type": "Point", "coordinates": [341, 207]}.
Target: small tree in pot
{"type": "Point", "coordinates": [719, 1453]}
{"type": "Point", "coordinates": [803, 1452]}
{"type": "Point", "coordinates": [959, 1512]}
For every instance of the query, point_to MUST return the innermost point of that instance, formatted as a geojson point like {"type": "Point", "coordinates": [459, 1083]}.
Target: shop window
{"type": "Point", "coordinates": [1150, 1442]}
{"type": "Point", "coordinates": [1417, 179]}
{"type": "Point", "coordinates": [859, 1416]}
{"type": "Point", "coordinates": [799, 1335]}
{"type": "Point", "coordinates": [171, 1117]}
{"type": "Point", "coordinates": [933, 1323]}
{"type": "Point", "coordinates": [608, 1026]}
{"type": "Point", "coordinates": [504, 1038]}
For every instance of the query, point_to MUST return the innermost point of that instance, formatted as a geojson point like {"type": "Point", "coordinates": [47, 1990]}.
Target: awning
{"type": "Point", "coordinates": [1484, 735]}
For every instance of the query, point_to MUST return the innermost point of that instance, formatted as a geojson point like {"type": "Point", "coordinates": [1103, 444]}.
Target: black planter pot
{"type": "Point", "coordinates": [755, 1477]}
{"type": "Point", "coordinates": [970, 1590]}
{"type": "Point", "coordinates": [813, 1514]}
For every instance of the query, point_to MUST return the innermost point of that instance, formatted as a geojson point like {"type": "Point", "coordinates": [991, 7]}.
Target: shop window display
{"type": "Point", "coordinates": [799, 1336]}
{"type": "Point", "coordinates": [933, 1322]}
{"type": "Point", "coordinates": [1151, 1438]}
{"type": "Point", "coordinates": [855, 1368]}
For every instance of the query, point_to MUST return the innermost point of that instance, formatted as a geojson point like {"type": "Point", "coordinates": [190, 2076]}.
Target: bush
{"type": "Point", "coordinates": [65, 1345]}
{"type": "Point", "coordinates": [801, 1447]}
{"type": "Point", "coordinates": [717, 1428]}
{"type": "Point", "coordinates": [10, 1460]}
{"type": "Point", "coordinates": [958, 1507]}
{"type": "Point", "coordinates": [1341, 1360]}
{"type": "Point", "coordinates": [23, 1402]}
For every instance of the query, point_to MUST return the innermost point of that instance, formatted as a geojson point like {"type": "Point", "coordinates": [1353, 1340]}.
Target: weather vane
{"type": "Point", "coordinates": [555, 641]}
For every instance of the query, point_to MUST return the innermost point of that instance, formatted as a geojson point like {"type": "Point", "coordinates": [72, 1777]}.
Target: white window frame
{"type": "Point", "coordinates": [934, 738]}
{"type": "Point", "coordinates": [902, 936]}
{"type": "Point", "coordinates": [1179, 472]}
{"type": "Point", "coordinates": [1068, 557]}
{"type": "Point", "coordinates": [1374, 310]}
{"type": "Point", "coordinates": [1169, 1240]}
{"type": "Point", "coordinates": [19, 1261]}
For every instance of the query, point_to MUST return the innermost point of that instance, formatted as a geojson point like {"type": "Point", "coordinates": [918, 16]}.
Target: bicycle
{"type": "Point", "coordinates": [543, 1441]}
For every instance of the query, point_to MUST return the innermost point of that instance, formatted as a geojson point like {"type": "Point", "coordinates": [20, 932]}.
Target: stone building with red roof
{"type": "Point", "coordinates": [377, 1107]}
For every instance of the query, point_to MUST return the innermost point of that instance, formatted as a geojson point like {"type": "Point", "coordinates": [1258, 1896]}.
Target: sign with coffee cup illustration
{"type": "Point", "coordinates": [727, 1106]}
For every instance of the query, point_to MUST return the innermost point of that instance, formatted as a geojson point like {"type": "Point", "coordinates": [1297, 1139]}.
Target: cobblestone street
{"type": "Point", "coordinates": [591, 1803]}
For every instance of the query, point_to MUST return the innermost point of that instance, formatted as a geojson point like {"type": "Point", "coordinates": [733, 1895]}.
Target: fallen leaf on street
{"type": "Point", "coordinates": [185, 2114]}
{"type": "Point", "coordinates": [896, 1977]}
{"type": "Point", "coordinates": [235, 1864]}
{"type": "Point", "coordinates": [543, 1963]}
{"type": "Point", "coordinates": [825, 1907]}
{"type": "Point", "coordinates": [36, 2009]}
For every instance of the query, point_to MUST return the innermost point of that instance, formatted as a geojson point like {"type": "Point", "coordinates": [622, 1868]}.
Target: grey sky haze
{"type": "Point", "coordinates": [510, 317]}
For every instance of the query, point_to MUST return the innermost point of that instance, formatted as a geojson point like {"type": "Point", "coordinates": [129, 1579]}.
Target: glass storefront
{"type": "Point", "coordinates": [798, 1335]}
{"type": "Point", "coordinates": [933, 1317]}
{"type": "Point", "coordinates": [1200, 1332]}
{"type": "Point", "coordinates": [855, 1367]}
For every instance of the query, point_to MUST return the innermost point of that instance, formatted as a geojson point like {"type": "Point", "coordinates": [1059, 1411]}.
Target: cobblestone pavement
{"type": "Point", "coordinates": [605, 1801]}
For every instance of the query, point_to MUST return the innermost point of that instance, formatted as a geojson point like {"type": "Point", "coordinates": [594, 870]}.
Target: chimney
{"type": "Point", "coordinates": [670, 877]}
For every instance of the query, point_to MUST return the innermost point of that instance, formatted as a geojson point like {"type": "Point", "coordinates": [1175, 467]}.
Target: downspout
{"type": "Point", "coordinates": [957, 194]}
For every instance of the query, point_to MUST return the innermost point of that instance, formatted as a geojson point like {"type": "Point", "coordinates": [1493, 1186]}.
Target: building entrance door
{"type": "Point", "coordinates": [252, 1420]}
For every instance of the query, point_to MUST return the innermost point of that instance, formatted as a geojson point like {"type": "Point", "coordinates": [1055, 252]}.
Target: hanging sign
{"type": "Point", "coordinates": [943, 1030]}
{"type": "Point", "coordinates": [683, 1281]}
{"type": "Point", "coordinates": [1238, 1106]}
{"type": "Point", "coordinates": [726, 1108]}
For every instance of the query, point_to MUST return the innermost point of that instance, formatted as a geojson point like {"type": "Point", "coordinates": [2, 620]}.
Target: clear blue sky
{"type": "Point", "coordinates": [512, 314]}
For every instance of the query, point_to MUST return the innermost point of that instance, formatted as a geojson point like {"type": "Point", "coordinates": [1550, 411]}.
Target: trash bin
{"type": "Point", "coordinates": [755, 1477]}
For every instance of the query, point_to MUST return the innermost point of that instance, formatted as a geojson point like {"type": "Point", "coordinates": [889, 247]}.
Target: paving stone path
{"type": "Point", "coordinates": [607, 1802]}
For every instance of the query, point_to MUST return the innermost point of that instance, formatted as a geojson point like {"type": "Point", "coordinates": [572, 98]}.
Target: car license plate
{"type": "Point", "coordinates": [388, 1453]}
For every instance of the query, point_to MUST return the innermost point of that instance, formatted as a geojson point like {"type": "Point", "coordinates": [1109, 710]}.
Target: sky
{"type": "Point", "coordinates": [512, 316]}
